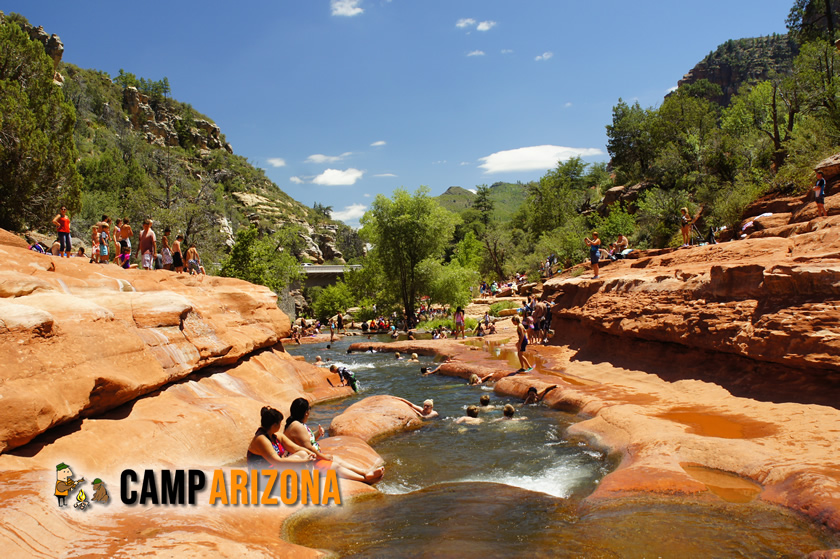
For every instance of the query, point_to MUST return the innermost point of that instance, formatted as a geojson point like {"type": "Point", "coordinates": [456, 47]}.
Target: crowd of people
{"type": "Point", "coordinates": [111, 242]}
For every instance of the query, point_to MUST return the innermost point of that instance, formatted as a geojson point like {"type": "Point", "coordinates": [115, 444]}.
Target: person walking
{"type": "Point", "coordinates": [819, 195]}
{"type": "Point", "coordinates": [62, 224]}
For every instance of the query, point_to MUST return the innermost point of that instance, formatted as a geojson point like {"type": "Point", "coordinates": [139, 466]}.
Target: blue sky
{"type": "Point", "coordinates": [339, 100]}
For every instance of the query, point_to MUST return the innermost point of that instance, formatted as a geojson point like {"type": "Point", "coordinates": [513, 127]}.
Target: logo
{"type": "Point", "coordinates": [65, 485]}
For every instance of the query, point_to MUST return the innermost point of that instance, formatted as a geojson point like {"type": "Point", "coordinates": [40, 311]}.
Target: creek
{"type": "Point", "coordinates": [515, 487]}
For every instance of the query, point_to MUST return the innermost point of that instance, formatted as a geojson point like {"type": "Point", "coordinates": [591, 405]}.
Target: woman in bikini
{"type": "Point", "coordinates": [301, 434]}
{"type": "Point", "coordinates": [267, 449]}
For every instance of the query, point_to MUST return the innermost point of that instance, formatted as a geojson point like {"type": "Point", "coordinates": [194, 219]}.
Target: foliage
{"type": "Point", "coordinates": [37, 151]}
{"type": "Point", "coordinates": [495, 308]}
{"type": "Point", "coordinates": [659, 215]}
{"type": "Point", "coordinates": [446, 284]}
{"type": "Point", "coordinates": [483, 203]}
{"type": "Point", "coordinates": [332, 300]}
{"type": "Point", "coordinates": [405, 230]}
{"type": "Point", "coordinates": [468, 252]}
{"type": "Point", "coordinates": [428, 325]}
{"type": "Point", "coordinates": [156, 90]}
{"type": "Point", "coordinates": [261, 260]}
{"type": "Point", "coordinates": [618, 222]}
{"type": "Point", "coordinates": [813, 19]}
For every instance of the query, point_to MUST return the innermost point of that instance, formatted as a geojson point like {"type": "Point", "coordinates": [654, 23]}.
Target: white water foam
{"type": "Point", "coordinates": [558, 481]}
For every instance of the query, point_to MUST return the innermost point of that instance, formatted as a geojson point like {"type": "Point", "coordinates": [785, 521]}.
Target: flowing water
{"type": "Point", "coordinates": [515, 487]}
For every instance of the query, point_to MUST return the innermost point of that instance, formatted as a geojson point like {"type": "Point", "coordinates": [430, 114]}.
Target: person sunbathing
{"type": "Point", "coordinates": [268, 450]}
{"type": "Point", "coordinates": [299, 433]}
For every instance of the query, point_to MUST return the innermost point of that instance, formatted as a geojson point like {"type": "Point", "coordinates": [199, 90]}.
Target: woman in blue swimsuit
{"type": "Point", "coordinates": [594, 252]}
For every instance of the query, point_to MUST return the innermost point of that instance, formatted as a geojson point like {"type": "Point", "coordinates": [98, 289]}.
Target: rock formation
{"type": "Point", "coordinates": [108, 369]}
{"type": "Point", "coordinates": [52, 44]}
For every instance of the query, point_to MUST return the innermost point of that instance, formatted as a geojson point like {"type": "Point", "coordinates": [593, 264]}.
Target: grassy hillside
{"type": "Point", "coordinates": [506, 197]}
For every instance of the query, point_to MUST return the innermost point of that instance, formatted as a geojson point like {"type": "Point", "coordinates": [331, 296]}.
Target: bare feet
{"type": "Point", "coordinates": [375, 475]}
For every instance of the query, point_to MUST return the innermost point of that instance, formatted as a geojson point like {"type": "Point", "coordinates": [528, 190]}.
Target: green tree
{"type": "Point", "coordinates": [629, 141]}
{"type": "Point", "coordinates": [483, 203]}
{"type": "Point", "coordinates": [404, 231]}
{"type": "Point", "coordinates": [261, 260]}
{"type": "Point", "coordinates": [446, 284]}
{"type": "Point", "coordinates": [812, 19]}
{"type": "Point", "coordinates": [332, 300]}
{"type": "Point", "coordinates": [37, 151]}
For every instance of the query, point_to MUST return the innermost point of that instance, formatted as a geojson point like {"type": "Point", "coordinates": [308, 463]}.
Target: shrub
{"type": "Point", "coordinates": [502, 305]}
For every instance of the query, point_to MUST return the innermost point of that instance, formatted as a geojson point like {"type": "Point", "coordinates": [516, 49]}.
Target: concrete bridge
{"type": "Point", "coordinates": [322, 276]}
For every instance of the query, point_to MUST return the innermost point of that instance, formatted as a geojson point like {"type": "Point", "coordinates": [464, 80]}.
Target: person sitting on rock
{"type": "Point", "coordinates": [301, 434]}
{"type": "Point", "coordinates": [267, 449]}
{"type": "Point", "coordinates": [427, 411]}
{"type": "Point", "coordinates": [471, 418]}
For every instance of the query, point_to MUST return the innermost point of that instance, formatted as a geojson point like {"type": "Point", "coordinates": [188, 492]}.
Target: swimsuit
{"type": "Point", "coordinates": [594, 253]}
{"type": "Point", "coordinates": [256, 461]}
{"type": "Point", "coordinates": [821, 193]}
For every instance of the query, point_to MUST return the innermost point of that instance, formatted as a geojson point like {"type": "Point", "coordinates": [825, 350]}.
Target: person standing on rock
{"type": "Point", "coordinates": [165, 251]}
{"type": "Point", "coordinates": [819, 194]}
{"type": "Point", "coordinates": [177, 255]}
{"type": "Point", "coordinates": [148, 245]}
{"type": "Point", "coordinates": [459, 323]}
{"type": "Point", "coordinates": [594, 245]}
{"type": "Point", "coordinates": [62, 224]}
{"type": "Point", "coordinates": [521, 346]}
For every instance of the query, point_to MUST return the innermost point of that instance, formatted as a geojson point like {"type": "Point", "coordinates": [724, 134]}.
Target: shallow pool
{"type": "Point", "coordinates": [515, 487]}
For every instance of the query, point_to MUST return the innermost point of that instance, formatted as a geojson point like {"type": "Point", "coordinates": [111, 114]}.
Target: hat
{"type": "Point", "coordinates": [61, 466]}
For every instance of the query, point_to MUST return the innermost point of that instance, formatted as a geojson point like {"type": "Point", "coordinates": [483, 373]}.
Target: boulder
{"type": "Point", "coordinates": [374, 417]}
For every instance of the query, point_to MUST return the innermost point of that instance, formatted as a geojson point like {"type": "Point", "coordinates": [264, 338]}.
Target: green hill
{"type": "Point", "coordinates": [130, 150]}
{"type": "Point", "coordinates": [507, 198]}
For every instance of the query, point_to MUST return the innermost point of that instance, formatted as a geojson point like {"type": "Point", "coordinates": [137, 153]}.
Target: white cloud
{"type": "Point", "coordinates": [385, 175]}
{"type": "Point", "coordinates": [567, 105]}
{"type": "Point", "coordinates": [462, 163]}
{"type": "Point", "coordinates": [507, 51]}
{"type": "Point", "coordinates": [336, 177]}
{"type": "Point", "coordinates": [321, 158]}
{"type": "Point", "coordinates": [366, 195]}
{"type": "Point", "coordinates": [486, 25]}
{"type": "Point", "coordinates": [671, 89]}
{"type": "Point", "coordinates": [465, 22]}
{"type": "Point", "coordinates": [377, 144]}
{"type": "Point", "coordinates": [534, 158]}
{"type": "Point", "coordinates": [476, 53]}
{"type": "Point", "coordinates": [277, 162]}
{"type": "Point", "coordinates": [544, 56]}
{"type": "Point", "coordinates": [473, 190]}
{"type": "Point", "coordinates": [346, 7]}
{"type": "Point", "coordinates": [296, 180]}
{"type": "Point", "coordinates": [349, 213]}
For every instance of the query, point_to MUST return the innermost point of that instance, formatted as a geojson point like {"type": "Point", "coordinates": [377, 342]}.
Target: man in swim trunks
{"type": "Point", "coordinates": [148, 245]}
{"type": "Point", "coordinates": [521, 346]}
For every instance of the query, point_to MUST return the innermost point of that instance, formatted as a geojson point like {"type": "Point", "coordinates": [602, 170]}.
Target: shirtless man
{"type": "Point", "coordinates": [471, 418]}
{"type": "Point", "coordinates": [148, 245]}
{"type": "Point", "coordinates": [521, 346]}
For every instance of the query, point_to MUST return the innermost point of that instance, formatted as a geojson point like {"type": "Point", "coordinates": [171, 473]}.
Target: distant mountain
{"type": "Point", "coordinates": [741, 61]}
{"type": "Point", "coordinates": [507, 198]}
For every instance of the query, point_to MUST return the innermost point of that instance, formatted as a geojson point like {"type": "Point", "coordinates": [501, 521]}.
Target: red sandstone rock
{"type": "Point", "coordinates": [80, 339]}
{"type": "Point", "coordinates": [375, 416]}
